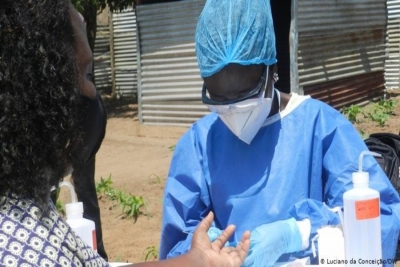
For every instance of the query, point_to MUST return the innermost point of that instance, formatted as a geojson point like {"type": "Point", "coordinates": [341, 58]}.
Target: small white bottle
{"type": "Point", "coordinates": [362, 222]}
{"type": "Point", "coordinates": [82, 227]}
{"type": "Point", "coordinates": [331, 246]}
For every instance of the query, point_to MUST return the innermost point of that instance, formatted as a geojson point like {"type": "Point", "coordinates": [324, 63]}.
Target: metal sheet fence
{"type": "Point", "coordinates": [102, 59]}
{"type": "Point", "coordinates": [392, 62]}
{"type": "Point", "coordinates": [169, 79]}
{"type": "Point", "coordinates": [338, 42]}
{"type": "Point", "coordinates": [329, 42]}
{"type": "Point", "coordinates": [125, 53]}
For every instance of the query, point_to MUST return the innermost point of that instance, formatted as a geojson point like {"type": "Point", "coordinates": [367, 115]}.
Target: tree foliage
{"type": "Point", "coordinates": [114, 5]}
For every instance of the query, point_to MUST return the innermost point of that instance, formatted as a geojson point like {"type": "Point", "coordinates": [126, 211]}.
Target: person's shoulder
{"type": "Point", "coordinates": [205, 123]}
{"type": "Point", "coordinates": [326, 113]}
{"type": "Point", "coordinates": [202, 126]}
{"type": "Point", "coordinates": [305, 102]}
{"type": "Point", "coordinates": [317, 104]}
{"type": "Point", "coordinates": [315, 108]}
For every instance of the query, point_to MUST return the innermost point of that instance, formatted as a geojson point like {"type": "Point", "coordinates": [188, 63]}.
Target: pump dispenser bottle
{"type": "Point", "coordinates": [82, 227]}
{"type": "Point", "coordinates": [362, 222]}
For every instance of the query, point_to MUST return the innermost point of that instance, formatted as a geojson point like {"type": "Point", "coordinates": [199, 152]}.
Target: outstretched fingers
{"type": "Point", "coordinates": [219, 243]}
{"type": "Point", "coordinates": [206, 223]}
{"type": "Point", "coordinates": [244, 245]}
{"type": "Point", "coordinates": [238, 253]}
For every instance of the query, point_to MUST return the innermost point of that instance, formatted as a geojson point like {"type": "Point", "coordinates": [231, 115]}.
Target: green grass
{"type": "Point", "coordinates": [150, 253]}
{"type": "Point", "coordinates": [379, 112]}
{"type": "Point", "coordinates": [352, 112]}
{"type": "Point", "coordinates": [132, 206]}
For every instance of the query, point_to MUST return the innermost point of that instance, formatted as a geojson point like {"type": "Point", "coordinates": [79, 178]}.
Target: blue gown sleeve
{"type": "Point", "coordinates": [186, 198]}
{"type": "Point", "coordinates": [340, 159]}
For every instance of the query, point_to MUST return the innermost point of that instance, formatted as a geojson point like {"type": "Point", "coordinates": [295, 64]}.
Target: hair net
{"type": "Point", "coordinates": [234, 31]}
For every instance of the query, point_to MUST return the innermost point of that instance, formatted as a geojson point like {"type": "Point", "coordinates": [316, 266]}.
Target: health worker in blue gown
{"type": "Point", "coordinates": [266, 161]}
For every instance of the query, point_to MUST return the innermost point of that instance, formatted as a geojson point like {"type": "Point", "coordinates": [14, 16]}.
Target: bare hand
{"type": "Point", "coordinates": [215, 254]}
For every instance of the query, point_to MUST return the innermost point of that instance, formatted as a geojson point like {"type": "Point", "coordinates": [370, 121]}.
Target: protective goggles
{"type": "Point", "coordinates": [243, 104]}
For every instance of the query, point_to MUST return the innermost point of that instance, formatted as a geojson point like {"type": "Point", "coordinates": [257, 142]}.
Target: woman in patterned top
{"type": "Point", "coordinates": [42, 129]}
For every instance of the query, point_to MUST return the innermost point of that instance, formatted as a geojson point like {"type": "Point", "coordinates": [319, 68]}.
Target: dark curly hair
{"type": "Point", "coordinates": [39, 97]}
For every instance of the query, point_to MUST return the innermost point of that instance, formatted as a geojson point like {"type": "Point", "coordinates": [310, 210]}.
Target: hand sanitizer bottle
{"type": "Point", "coordinates": [82, 227]}
{"type": "Point", "coordinates": [362, 222]}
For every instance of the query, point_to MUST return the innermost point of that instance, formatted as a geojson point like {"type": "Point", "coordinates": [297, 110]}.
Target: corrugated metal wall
{"type": "Point", "coordinates": [169, 81]}
{"type": "Point", "coordinates": [125, 53]}
{"type": "Point", "coordinates": [337, 40]}
{"type": "Point", "coordinates": [101, 54]}
{"type": "Point", "coordinates": [336, 47]}
{"type": "Point", "coordinates": [392, 63]}
{"type": "Point", "coordinates": [344, 92]}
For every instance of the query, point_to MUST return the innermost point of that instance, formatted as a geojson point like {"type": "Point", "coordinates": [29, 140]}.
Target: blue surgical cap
{"type": "Point", "coordinates": [234, 31]}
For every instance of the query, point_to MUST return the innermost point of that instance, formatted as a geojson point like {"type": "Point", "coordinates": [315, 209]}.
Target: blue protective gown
{"type": "Point", "coordinates": [300, 159]}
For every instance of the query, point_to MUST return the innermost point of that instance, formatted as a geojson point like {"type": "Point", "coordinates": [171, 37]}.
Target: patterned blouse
{"type": "Point", "coordinates": [28, 240]}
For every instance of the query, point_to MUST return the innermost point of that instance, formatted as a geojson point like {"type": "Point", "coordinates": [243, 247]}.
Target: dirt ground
{"type": "Point", "coordinates": [137, 157]}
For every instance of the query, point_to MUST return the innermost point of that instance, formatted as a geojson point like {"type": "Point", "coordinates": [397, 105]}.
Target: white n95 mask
{"type": "Point", "coordinates": [245, 118]}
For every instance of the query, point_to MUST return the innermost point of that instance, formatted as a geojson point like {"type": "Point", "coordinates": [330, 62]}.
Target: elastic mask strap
{"type": "Point", "coordinates": [266, 82]}
{"type": "Point", "coordinates": [278, 94]}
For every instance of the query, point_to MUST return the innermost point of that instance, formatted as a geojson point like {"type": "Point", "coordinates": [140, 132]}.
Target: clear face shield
{"type": "Point", "coordinates": [244, 116]}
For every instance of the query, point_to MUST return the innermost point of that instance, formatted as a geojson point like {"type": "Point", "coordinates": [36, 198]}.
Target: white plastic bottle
{"type": "Point", "coordinates": [362, 222]}
{"type": "Point", "coordinates": [82, 227]}
{"type": "Point", "coordinates": [330, 246]}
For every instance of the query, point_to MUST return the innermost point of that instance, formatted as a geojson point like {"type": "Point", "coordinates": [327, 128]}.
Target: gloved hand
{"type": "Point", "coordinates": [214, 233]}
{"type": "Point", "coordinates": [269, 241]}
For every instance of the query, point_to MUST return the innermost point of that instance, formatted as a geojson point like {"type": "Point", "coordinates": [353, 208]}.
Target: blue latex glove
{"type": "Point", "coordinates": [214, 233]}
{"type": "Point", "coordinates": [269, 241]}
